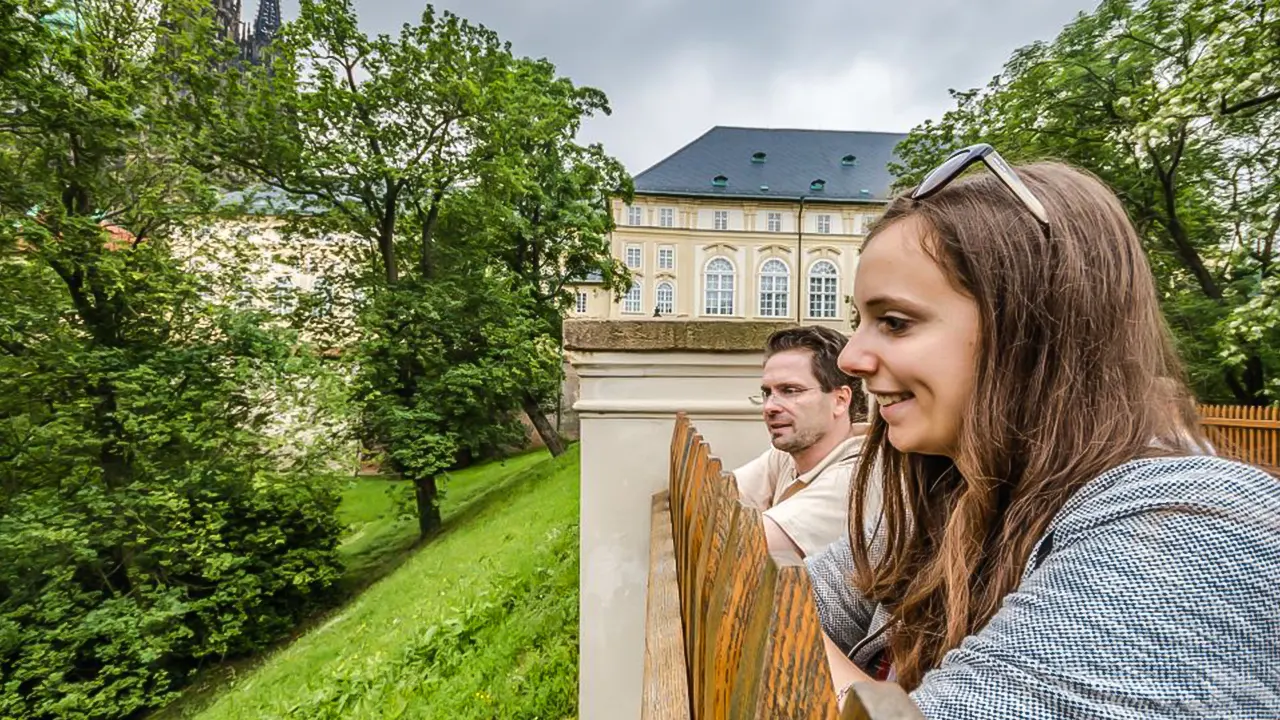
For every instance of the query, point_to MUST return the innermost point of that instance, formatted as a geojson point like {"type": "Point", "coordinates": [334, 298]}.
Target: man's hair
{"type": "Point", "coordinates": [824, 345]}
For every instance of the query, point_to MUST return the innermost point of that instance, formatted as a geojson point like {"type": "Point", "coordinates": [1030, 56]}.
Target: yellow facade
{"type": "Point", "coordinates": [720, 258]}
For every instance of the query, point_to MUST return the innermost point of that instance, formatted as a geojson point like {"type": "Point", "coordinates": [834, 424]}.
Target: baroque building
{"type": "Point", "coordinates": [748, 224]}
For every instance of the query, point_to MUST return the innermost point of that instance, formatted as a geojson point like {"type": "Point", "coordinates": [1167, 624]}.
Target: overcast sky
{"type": "Point", "coordinates": [673, 69]}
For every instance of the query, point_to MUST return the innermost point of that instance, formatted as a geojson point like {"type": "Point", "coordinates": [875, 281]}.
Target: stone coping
{"type": "Point", "coordinates": [669, 335]}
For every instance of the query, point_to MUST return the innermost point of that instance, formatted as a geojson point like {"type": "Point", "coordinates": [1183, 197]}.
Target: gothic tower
{"type": "Point", "coordinates": [265, 27]}
{"type": "Point", "coordinates": [253, 43]}
{"type": "Point", "coordinates": [227, 14]}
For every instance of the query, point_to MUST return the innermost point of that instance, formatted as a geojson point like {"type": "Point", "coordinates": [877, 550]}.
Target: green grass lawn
{"type": "Point", "coordinates": [380, 534]}
{"type": "Point", "coordinates": [481, 622]}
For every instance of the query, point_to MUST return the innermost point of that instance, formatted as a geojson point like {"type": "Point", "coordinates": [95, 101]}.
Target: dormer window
{"type": "Point", "coordinates": [849, 160]}
{"type": "Point", "coordinates": [719, 181]}
{"type": "Point", "coordinates": [818, 185]}
{"type": "Point", "coordinates": [758, 158]}
{"type": "Point", "coordinates": [864, 192]}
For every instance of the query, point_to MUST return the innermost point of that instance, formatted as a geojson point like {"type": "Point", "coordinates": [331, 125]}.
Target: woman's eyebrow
{"type": "Point", "coordinates": [877, 302]}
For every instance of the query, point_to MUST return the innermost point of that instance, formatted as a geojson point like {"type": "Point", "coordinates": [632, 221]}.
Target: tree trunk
{"type": "Point", "coordinates": [1250, 392]}
{"type": "Point", "coordinates": [1255, 380]}
{"type": "Point", "coordinates": [539, 420]}
{"type": "Point", "coordinates": [428, 510]}
{"type": "Point", "coordinates": [1178, 232]}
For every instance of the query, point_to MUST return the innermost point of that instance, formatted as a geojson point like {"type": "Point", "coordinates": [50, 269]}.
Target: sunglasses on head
{"type": "Point", "coordinates": [951, 168]}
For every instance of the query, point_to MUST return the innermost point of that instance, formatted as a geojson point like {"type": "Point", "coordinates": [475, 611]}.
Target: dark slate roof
{"type": "Point", "coordinates": [262, 200]}
{"type": "Point", "coordinates": [793, 159]}
{"type": "Point", "coordinates": [592, 277]}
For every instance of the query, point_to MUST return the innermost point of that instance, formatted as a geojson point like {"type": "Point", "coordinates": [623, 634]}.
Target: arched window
{"type": "Point", "coordinates": [824, 284]}
{"type": "Point", "coordinates": [664, 300]}
{"type": "Point", "coordinates": [718, 281]}
{"type": "Point", "coordinates": [775, 289]}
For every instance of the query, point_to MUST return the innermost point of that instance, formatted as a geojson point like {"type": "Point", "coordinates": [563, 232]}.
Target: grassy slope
{"type": "Point", "coordinates": [479, 623]}
{"type": "Point", "coordinates": [378, 538]}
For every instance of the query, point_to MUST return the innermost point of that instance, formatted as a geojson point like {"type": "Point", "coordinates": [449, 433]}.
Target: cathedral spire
{"type": "Point", "coordinates": [267, 22]}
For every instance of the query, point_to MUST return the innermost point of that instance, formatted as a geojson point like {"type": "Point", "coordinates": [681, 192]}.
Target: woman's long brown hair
{"type": "Point", "coordinates": [1075, 374]}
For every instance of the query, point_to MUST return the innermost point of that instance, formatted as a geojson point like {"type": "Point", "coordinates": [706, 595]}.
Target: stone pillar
{"type": "Point", "coordinates": [634, 377]}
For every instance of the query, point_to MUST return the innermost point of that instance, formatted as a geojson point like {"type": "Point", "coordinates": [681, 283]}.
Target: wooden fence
{"type": "Point", "coordinates": [732, 631]}
{"type": "Point", "coordinates": [1248, 434]}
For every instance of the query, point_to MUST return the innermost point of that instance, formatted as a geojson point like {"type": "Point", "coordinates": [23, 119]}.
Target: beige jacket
{"type": "Point", "coordinates": [813, 508]}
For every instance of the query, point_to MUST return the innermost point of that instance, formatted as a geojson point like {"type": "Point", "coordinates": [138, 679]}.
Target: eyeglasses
{"type": "Point", "coordinates": [785, 396]}
{"type": "Point", "coordinates": [951, 168]}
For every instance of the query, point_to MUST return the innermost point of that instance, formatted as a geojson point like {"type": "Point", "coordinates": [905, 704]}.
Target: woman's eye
{"type": "Point", "coordinates": [894, 324]}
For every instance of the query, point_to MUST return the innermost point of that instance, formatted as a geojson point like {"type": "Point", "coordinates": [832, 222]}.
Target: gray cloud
{"type": "Point", "coordinates": [673, 69]}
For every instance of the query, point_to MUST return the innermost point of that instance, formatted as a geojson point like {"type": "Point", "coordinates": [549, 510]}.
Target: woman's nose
{"type": "Point", "coordinates": [856, 358]}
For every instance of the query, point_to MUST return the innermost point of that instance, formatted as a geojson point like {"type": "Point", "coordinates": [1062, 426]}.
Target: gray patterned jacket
{"type": "Point", "coordinates": [1154, 594]}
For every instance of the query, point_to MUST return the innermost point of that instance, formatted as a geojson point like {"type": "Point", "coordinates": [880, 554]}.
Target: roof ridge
{"type": "Point", "coordinates": [795, 129]}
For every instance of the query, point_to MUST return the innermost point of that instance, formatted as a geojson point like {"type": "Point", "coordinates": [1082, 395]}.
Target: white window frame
{"type": "Point", "coordinates": [283, 299]}
{"type": "Point", "coordinates": [718, 287]}
{"type": "Point", "coordinates": [824, 290]}
{"type": "Point", "coordinates": [323, 289]}
{"type": "Point", "coordinates": [720, 219]}
{"type": "Point", "coordinates": [775, 289]}
{"type": "Point", "coordinates": [773, 221]}
{"type": "Point", "coordinates": [633, 251]}
{"type": "Point", "coordinates": [822, 224]}
{"type": "Point", "coordinates": [864, 223]}
{"type": "Point", "coordinates": [635, 215]}
{"type": "Point", "coordinates": [670, 257]}
{"type": "Point", "coordinates": [633, 301]}
{"type": "Point", "coordinates": [665, 306]}
{"type": "Point", "coordinates": [580, 302]}
{"type": "Point", "coordinates": [666, 217]}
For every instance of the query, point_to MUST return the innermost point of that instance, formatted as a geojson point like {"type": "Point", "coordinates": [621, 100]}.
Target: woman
{"type": "Point", "coordinates": [1054, 540]}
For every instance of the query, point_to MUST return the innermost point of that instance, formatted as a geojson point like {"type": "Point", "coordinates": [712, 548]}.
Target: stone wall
{"type": "Point", "coordinates": [634, 377]}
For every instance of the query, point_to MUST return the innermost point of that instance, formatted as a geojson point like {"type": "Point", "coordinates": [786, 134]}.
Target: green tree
{"type": "Point", "coordinates": [404, 145]}
{"type": "Point", "coordinates": [546, 201]}
{"type": "Point", "coordinates": [149, 519]}
{"type": "Point", "coordinates": [1171, 102]}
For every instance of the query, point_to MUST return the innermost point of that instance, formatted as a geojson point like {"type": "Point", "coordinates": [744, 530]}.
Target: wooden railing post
{"type": "Point", "coordinates": [665, 693]}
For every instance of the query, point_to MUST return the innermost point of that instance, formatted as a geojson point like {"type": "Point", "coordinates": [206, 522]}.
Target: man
{"type": "Point", "coordinates": [816, 419]}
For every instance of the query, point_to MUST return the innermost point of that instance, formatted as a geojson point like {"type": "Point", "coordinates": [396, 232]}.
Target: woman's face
{"type": "Point", "coordinates": [916, 344]}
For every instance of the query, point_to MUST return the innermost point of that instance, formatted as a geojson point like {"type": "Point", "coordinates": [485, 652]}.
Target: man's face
{"type": "Point", "coordinates": [796, 410]}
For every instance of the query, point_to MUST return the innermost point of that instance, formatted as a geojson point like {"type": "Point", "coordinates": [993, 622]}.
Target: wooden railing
{"type": "Point", "coordinates": [731, 631]}
{"type": "Point", "coordinates": [1247, 434]}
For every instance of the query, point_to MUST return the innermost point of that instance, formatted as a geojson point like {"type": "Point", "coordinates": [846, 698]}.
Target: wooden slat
{"type": "Point", "coordinates": [666, 677]}
{"type": "Point", "coordinates": [1244, 433]}
{"type": "Point", "coordinates": [1239, 423]}
{"type": "Point", "coordinates": [682, 445]}
{"type": "Point", "coordinates": [694, 487]}
{"type": "Point", "coordinates": [704, 483]}
{"type": "Point", "coordinates": [719, 507]}
{"type": "Point", "coordinates": [794, 679]}
{"type": "Point", "coordinates": [699, 490]}
{"type": "Point", "coordinates": [729, 627]}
